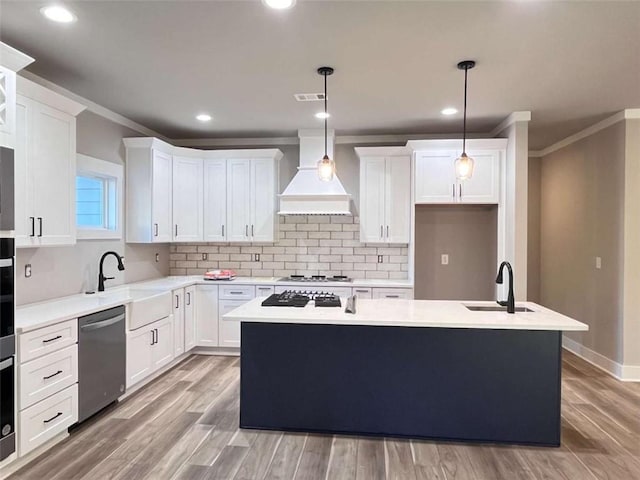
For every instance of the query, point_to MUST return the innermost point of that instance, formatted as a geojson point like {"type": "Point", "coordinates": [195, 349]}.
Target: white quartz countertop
{"type": "Point", "coordinates": [410, 313]}
{"type": "Point", "coordinates": [37, 315]}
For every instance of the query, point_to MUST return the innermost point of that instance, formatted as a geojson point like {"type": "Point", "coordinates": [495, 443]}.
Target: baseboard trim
{"type": "Point", "coordinates": [625, 373]}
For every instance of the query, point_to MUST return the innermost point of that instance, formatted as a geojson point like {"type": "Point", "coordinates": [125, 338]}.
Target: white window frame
{"type": "Point", "coordinates": [94, 167]}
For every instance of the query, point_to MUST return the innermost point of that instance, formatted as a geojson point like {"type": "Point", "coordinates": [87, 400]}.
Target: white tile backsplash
{"type": "Point", "coordinates": [308, 245]}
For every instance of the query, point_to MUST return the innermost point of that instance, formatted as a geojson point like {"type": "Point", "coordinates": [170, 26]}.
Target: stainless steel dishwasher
{"type": "Point", "coordinates": [101, 360]}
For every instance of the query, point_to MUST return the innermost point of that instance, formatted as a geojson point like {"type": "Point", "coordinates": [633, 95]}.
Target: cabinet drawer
{"type": "Point", "coordinates": [393, 293]}
{"type": "Point", "coordinates": [361, 292]}
{"type": "Point", "coordinates": [48, 418]}
{"type": "Point", "coordinates": [264, 290]}
{"type": "Point", "coordinates": [44, 376]}
{"type": "Point", "coordinates": [236, 292]}
{"type": "Point", "coordinates": [46, 340]}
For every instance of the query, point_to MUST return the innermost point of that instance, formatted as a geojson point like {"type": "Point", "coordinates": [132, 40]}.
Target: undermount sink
{"type": "Point", "coordinates": [496, 308]}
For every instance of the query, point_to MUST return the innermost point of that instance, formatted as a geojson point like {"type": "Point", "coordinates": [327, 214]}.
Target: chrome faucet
{"type": "Point", "coordinates": [510, 303]}
{"type": "Point", "coordinates": [101, 277]}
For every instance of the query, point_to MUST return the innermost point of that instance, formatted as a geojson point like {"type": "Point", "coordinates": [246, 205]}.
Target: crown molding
{"type": "Point", "coordinates": [628, 114]}
{"type": "Point", "coordinates": [13, 59]}
{"type": "Point", "coordinates": [523, 116]}
{"type": "Point", "coordinates": [93, 106]}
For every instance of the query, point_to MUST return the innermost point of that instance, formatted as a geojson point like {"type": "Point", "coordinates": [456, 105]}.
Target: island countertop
{"type": "Point", "coordinates": [410, 313]}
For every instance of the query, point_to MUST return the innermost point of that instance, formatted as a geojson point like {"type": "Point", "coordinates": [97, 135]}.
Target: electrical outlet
{"type": "Point", "coordinates": [27, 270]}
{"type": "Point", "coordinates": [380, 258]}
{"type": "Point", "coordinates": [598, 263]}
{"type": "Point", "coordinates": [444, 259]}
{"type": "Point", "coordinates": [157, 257]}
{"type": "Point", "coordinates": [256, 257]}
{"type": "Point", "coordinates": [204, 256]}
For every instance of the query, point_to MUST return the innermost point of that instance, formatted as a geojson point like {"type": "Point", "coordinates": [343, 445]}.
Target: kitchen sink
{"type": "Point", "coordinates": [496, 308]}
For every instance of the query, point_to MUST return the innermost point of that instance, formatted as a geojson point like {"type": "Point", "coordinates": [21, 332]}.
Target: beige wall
{"type": "Point", "coordinates": [59, 271]}
{"type": "Point", "coordinates": [581, 212]}
{"type": "Point", "coordinates": [632, 246]}
{"type": "Point", "coordinates": [533, 231]}
{"type": "Point", "coordinates": [468, 234]}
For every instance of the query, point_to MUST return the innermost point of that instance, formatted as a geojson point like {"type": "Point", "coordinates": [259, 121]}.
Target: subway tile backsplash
{"type": "Point", "coordinates": [308, 245]}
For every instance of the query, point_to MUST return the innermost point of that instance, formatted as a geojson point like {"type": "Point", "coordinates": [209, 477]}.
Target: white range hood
{"type": "Point", "coordinates": [306, 194]}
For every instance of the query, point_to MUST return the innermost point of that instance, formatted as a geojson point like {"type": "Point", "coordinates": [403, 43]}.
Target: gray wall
{"type": "Point", "coordinates": [60, 271]}
{"type": "Point", "coordinates": [533, 231]}
{"type": "Point", "coordinates": [468, 234]}
{"type": "Point", "coordinates": [581, 217]}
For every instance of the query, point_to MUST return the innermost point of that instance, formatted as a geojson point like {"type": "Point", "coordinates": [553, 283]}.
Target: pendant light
{"type": "Point", "coordinates": [326, 166]}
{"type": "Point", "coordinates": [464, 163]}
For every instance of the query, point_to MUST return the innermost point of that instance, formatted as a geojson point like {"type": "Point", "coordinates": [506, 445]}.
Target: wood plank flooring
{"type": "Point", "coordinates": [184, 426]}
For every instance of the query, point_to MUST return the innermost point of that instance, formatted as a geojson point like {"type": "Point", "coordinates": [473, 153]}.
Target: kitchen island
{"type": "Point", "coordinates": [408, 368]}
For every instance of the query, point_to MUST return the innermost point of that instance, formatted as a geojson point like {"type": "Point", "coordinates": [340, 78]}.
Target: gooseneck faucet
{"type": "Point", "coordinates": [510, 303]}
{"type": "Point", "coordinates": [101, 277]}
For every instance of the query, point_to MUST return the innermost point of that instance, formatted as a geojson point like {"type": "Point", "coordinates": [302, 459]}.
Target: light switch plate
{"type": "Point", "coordinates": [598, 263]}
{"type": "Point", "coordinates": [157, 257]}
{"type": "Point", "coordinates": [27, 270]}
{"type": "Point", "coordinates": [204, 256]}
{"type": "Point", "coordinates": [444, 259]}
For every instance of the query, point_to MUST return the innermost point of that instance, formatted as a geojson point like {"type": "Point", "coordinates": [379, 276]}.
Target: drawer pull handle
{"type": "Point", "coordinates": [362, 291]}
{"type": "Point", "coordinates": [52, 375]}
{"type": "Point", "coordinates": [53, 418]}
{"type": "Point", "coordinates": [236, 293]}
{"type": "Point", "coordinates": [392, 296]}
{"type": "Point", "coordinates": [52, 339]}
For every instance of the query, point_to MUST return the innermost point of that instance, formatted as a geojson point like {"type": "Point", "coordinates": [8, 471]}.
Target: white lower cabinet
{"type": "Point", "coordinates": [189, 318]}
{"type": "Point", "coordinates": [48, 418]}
{"type": "Point", "coordinates": [149, 348]}
{"type": "Point", "coordinates": [392, 293]}
{"type": "Point", "coordinates": [229, 329]}
{"type": "Point", "coordinates": [178, 322]}
{"type": "Point", "coordinates": [139, 356]}
{"type": "Point", "coordinates": [207, 315]}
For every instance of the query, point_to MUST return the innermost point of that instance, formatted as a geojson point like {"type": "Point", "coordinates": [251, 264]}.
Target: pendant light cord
{"type": "Point", "coordinates": [325, 114]}
{"type": "Point", "coordinates": [464, 121]}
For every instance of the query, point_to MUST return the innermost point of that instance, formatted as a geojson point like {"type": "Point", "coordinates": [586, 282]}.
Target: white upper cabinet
{"type": "Point", "coordinates": [149, 175]}
{"type": "Point", "coordinates": [435, 179]}
{"type": "Point", "coordinates": [215, 200]}
{"type": "Point", "coordinates": [251, 199]}
{"type": "Point", "coordinates": [187, 199]}
{"type": "Point", "coordinates": [11, 61]}
{"type": "Point", "coordinates": [238, 200]}
{"type": "Point", "coordinates": [385, 195]}
{"type": "Point", "coordinates": [45, 152]}
{"type": "Point", "coordinates": [263, 199]}
{"type": "Point", "coordinates": [177, 194]}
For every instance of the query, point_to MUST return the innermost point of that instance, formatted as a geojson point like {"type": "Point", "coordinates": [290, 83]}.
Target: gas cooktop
{"type": "Point", "coordinates": [315, 278]}
{"type": "Point", "coordinates": [298, 298]}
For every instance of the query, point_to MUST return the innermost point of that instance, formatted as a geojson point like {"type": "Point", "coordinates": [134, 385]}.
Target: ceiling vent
{"type": "Point", "coordinates": [309, 97]}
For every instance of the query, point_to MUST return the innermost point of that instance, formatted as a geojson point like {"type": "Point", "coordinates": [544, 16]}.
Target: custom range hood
{"type": "Point", "coordinates": [307, 194]}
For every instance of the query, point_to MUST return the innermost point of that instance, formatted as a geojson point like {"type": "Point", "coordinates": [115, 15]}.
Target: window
{"type": "Point", "coordinates": [98, 199]}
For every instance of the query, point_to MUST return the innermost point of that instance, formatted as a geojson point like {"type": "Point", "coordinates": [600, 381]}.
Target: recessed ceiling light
{"type": "Point", "coordinates": [203, 117]}
{"type": "Point", "coordinates": [449, 111]}
{"type": "Point", "coordinates": [322, 115]}
{"type": "Point", "coordinates": [279, 4]}
{"type": "Point", "coordinates": [58, 13]}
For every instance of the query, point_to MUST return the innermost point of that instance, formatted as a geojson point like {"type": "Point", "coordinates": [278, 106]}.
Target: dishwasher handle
{"type": "Point", "coordinates": [103, 323]}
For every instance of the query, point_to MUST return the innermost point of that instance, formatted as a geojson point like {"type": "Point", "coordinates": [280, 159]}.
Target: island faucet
{"type": "Point", "coordinates": [101, 277]}
{"type": "Point", "coordinates": [510, 303]}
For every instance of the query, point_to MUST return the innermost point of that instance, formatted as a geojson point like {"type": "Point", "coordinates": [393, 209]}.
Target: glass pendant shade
{"type": "Point", "coordinates": [464, 167]}
{"type": "Point", "coordinates": [326, 169]}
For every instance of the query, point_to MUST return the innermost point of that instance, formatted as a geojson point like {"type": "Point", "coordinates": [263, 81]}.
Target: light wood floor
{"type": "Point", "coordinates": [184, 426]}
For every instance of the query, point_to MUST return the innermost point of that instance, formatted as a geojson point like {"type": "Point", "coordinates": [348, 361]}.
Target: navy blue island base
{"type": "Point", "coordinates": [455, 384]}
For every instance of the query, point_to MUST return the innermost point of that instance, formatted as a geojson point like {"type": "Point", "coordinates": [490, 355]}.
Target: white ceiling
{"type": "Point", "coordinates": [161, 62]}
